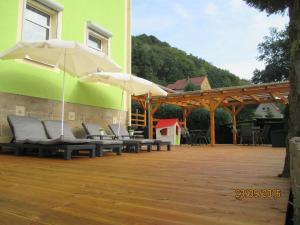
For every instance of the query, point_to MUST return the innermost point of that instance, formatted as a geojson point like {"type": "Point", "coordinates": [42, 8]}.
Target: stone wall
{"type": "Point", "coordinates": [51, 110]}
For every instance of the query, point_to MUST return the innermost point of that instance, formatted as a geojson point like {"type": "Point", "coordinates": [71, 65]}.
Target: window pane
{"type": "Point", "coordinates": [37, 16]}
{"type": "Point", "coordinates": [34, 32]}
{"type": "Point", "coordinates": [94, 42]}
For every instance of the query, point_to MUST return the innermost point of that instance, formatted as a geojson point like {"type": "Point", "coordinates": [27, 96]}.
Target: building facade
{"type": "Point", "coordinates": [34, 88]}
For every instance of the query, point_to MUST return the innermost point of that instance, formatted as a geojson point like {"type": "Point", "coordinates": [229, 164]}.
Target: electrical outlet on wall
{"type": "Point", "coordinates": [20, 110]}
{"type": "Point", "coordinates": [71, 116]}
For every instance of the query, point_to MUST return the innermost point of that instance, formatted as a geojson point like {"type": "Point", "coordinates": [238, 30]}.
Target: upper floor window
{"type": "Point", "coordinates": [98, 38]}
{"type": "Point", "coordinates": [40, 20]}
{"type": "Point", "coordinates": [94, 41]}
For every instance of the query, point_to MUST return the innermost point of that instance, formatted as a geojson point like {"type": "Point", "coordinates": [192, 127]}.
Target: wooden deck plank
{"type": "Point", "coordinates": [190, 185]}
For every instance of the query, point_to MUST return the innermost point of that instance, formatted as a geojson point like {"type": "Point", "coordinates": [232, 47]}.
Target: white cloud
{"type": "Point", "coordinates": [211, 9]}
{"type": "Point", "coordinates": [243, 69]}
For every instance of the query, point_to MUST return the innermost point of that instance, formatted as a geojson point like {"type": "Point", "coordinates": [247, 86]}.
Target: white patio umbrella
{"type": "Point", "coordinates": [128, 82]}
{"type": "Point", "coordinates": [69, 56]}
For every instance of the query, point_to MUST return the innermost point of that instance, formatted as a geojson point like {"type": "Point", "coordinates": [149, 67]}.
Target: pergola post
{"type": "Point", "coordinates": [150, 117]}
{"type": "Point", "coordinates": [151, 112]}
{"type": "Point", "coordinates": [233, 112]}
{"type": "Point", "coordinates": [234, 130]}
{"type": "Point", "coordinates": [212, 127]}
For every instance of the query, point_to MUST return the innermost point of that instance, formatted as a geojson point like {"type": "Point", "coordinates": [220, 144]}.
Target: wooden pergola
{"type": "Point", "coordinates": [232, 99]}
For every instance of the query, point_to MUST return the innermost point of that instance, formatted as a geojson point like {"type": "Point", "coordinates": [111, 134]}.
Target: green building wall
{"type": "Point", "coordinates": [21, 78]}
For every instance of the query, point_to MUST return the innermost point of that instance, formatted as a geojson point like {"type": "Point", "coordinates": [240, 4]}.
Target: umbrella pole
{"type": "Point", "coordinates": [120, 112]}
{"type": "Point", "coordinates": [63, 96]}
{"type": "Point", "coordinates": [149, 115]}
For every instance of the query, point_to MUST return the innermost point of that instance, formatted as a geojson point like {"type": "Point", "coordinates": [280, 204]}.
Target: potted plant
{"type": "Point", "coordinates": [102, 132]}
{"type": "Point", "coordinates": [130, 131]}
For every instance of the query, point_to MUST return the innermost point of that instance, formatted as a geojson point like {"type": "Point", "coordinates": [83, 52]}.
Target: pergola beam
{"type": "Point", "coordinates": [239, 99]}
{"type": "Point", "coordinates": [255, 98]}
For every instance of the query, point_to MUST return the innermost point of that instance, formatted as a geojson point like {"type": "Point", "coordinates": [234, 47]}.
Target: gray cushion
{"type": "Point", "coordinates": [53, 130]}
{"type": "Point", "coordinates": [58, 141]}
{"type": "Point", "coordinates": [119, 130]}
{"type": "Point", "coordinates": [24, 127]}
{"type": "Point", "coordinates": [91, 128]}
{"type": "Point", "coordinates": [94, 129]}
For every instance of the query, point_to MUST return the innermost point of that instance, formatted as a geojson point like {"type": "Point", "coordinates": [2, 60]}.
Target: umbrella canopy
{"type": "Point", "coordinates": [69, 56]}
{"type": "Point", "coordinates": [72, 57]}
{"type": "Point", "coordinates": [130, 83]}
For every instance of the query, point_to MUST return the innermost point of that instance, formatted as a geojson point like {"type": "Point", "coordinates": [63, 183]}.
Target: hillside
{"type": "Point", "coordinates": [159, 62]}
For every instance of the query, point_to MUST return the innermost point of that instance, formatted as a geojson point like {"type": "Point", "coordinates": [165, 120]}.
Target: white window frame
{"type": "Point", "coordinates": [98, 37]}
{"type": "Point", "coordinates": [49, 7]}
{"type": "Point", "coordinates": [100, 33]}
{"type": "Point", "coordinates": [47, 27]}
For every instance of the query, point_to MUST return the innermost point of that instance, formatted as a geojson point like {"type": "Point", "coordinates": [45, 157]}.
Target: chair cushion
{"type": "Point", "coordinates": [24, 127]}
{"type": "Point", "coordinates": [119, 130]}
{"type": "Point", "coordinates": [94, 129]}
{"type": "Point", "coordinates": [58, 141]}
{"type": "Point", "coordinates": [53, 129]}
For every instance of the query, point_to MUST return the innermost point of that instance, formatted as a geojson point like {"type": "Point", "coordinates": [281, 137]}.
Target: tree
{"type": "Point", "coordinates": [274, 51]}
{"type": "Point", "coordinates": [191, 87]}
{"type": "Point", "coordinates": [275, 6]}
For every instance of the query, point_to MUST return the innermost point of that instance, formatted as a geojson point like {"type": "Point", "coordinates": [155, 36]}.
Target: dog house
{"type": "Point", "coordinates": [168, 130]}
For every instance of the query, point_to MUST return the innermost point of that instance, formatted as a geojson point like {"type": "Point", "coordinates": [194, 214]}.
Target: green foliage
{"type": "Point", "coordinates": [200, 119]}
{"type": "Point", "coordinates": [275, 52]}
{"type": "Point", "coordinates": [247, 113]}
{"type": "Point", "coordinates": [222, 117]}
{"type": "Point", "coordinates": [191, 87]}
{"type": "Point", "coordinates": [169, 111]}
{"type": "Point", "coordinates": [270, 6]}
{"type": "Point", "coordinates": [157, 61]}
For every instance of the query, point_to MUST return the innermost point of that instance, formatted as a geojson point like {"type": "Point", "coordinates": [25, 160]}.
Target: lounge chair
{"type": "Point", "coordinates": [53, 127]}
{"type": "Point", "coordinates": [29, 133]}
{"type": "Point", "coordinates": [131, 144]}
{"type": "Point", "coordinates": [121, 132]}
{"type": "Point", "coordinates": [92, 131]}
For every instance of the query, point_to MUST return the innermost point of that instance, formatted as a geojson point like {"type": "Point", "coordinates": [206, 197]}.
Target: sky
{"type": "Point", "coordinates": [223, 32]}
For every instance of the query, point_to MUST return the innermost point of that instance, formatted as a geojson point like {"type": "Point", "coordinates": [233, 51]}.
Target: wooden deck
{"type": "Point", "coordinates": [190, 185]}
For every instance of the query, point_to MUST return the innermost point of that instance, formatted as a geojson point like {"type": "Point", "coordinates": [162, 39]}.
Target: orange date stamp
{"type": "Point", "coordinates": [256, 193]}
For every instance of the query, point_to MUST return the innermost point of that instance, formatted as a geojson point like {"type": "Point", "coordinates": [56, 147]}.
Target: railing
{"type": "Point", "coordinates": [138, 120]}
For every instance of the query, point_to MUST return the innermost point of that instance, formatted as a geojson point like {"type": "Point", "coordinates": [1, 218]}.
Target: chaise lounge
{"type": "Point", "coordinates": [29, 134]}
{"type": "Point", "coordinates": [52, 128]}
{"type": "Point", "coordinates": [136, 144]}
{"type": "Point", "coordinates": [122, 133]}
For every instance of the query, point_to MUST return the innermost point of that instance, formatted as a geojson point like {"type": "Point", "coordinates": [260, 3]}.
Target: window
{"type": "Point", "coordinates": [36, 25]}
{"type": "Point", "coordinates": [98, 38]}
{"type": "Point", "coordinates": [94, 42]}
{"type": "Point", "coordinates": [40, 20]}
